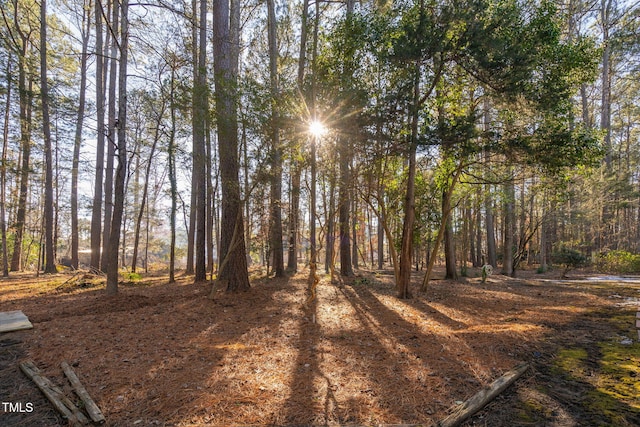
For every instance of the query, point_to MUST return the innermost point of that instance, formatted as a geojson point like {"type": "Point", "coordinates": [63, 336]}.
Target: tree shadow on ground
{"type": "Point", "coordinates": [571, 384]}
{"type": "Point", "coordinates": [154, 355]}
{"type": "Point", "coordinates": [393, 355]}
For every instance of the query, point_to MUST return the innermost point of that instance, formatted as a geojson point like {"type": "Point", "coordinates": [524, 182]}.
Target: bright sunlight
{"type": "Point", "coordinates": [317, 129]}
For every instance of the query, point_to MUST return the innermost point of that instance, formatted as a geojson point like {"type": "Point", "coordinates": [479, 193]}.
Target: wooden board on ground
{"type": "Point", "coordinates": [57, 398]}
{"type": "Point", "coordinates": [89, 405]}
{"type": "Point", "coordinates": [484, 396]}
{"type": "Point", "coordinates": [14, 321]}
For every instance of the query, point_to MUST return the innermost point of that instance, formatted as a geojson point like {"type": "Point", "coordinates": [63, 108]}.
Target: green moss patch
{"type": "Point", "coordinates": [620, 372]}
{"type": "Point", "coordinates": [607, 373]}
{"type": "Point", "coordinates": [570, 362]}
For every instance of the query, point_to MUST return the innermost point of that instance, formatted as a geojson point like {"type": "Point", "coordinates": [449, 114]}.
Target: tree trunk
{"type": "Point", "coordinates": [330, 226]}
{"type": "Point", "coordinates": [345, 156]}
{"type": "Point", "coordinates": [449, 247]}
{"type": "Point", "coordinates": [96, 216]}
{"type": "Point", "coordinates": [380, 244]}
{"type": "Point", "coordinates": [50, 262]}
{"type": "Point", "coordinates": [509, 228]}
{"type": "Point", "coordinates": [313, 250]}
{"type": "Point", "coordinates": [344, 209]}
{"type": "Point", "coordinates": [191, 231]}
{"type": "Point", "coordinates": [605, 112]}
{"type": "Point", "coordinates": [233, 268]}
{"type": "Point", "coordinates": [404, 278]}
{"type": "Point", "coordinates": [446, 212]}
{"type": "Point", "coordinates": [471, 233]}
{"type": "Point", "coordinates": [145, 192]}
{"type": "Point", "coordinates": [294, 214]}
{"type": "Point", "coordinates": [276, 166]}
{"type": "Point", "coordinates": [296, 170]}
{"type": "Point", "coordinates": [78, 139]}
{"type": "Point", "coordinates": [121, 171]}
{"type": "Point", "coordinates": [111, 135]}
{"type": "Point", "coordinates": [370, 226]}
{"type": "Point", "coordinates": [247, 189]}
{"type": "Point", "coordinates": [171, 152]}
{"type": "Point", "coordinates": [449, 251]}
{"type": "Point", "coordinates": [26, 104]}
{"type": "Point", "coordinates": [3, 174]}
{"type": "Point", "coordinates": [354, 231]}
{"type": "Point", "coordinates": [200, 111]}
{"type": "Point", "coordinates": [211, 200]}
{"type": "Point", "coordinates": [478, 226]}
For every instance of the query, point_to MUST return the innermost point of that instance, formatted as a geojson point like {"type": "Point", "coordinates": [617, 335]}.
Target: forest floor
{"type": "Point", "coordinates": [161, 354]}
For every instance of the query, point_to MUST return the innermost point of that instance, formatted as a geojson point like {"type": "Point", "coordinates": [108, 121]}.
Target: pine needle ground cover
{"type": "Point", "coordinates": [159, 354]}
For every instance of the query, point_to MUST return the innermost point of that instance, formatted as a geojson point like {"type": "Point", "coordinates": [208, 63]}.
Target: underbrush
{"type": "Point", "coordinates": [621, 262]}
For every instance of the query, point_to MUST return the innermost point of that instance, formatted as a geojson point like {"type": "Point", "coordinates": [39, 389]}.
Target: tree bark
{"type": "Point", "coordinates": [145, 192]}
{"type": "Point", "coordinates": [380, 243]}
{"type": "Point", "coordinates": [294, 218]}
{"type": "Point", "coordinates": [446, 211]}
{"type": "Point", "coordinates": [96, 215]}
{"type": "Point", "coordinates": [200, 111]}
{"type": "Point", "coordinates": [3, 174]}
{"type": "Point", "coordinates": [233, 268]}
{"type": "Point", "coordinates": [191, 231]}
{"type": "Point", "coordinates": [171, 153]}
{"type": "Point", "coordinates": [77, 142]}
{"type": "Point", "coordinates": [296, 169]}
{"type": "Point", "coordinates": [509, 229]}
{"type": "Point", "coordinates": [111, 134]}
{"type": "Point", "coordinates": [276, 165]}
{"type": "Point", "coordinates": [314, 141]}
{"type": "Point", "coordinates": [354, 230]}
{"type": "Point", "coordinates": [121, 171]}
{"type": "Point", "coordinates": [404, 278]}
{"type": "Point", "coordinates": [344, 196]}
{"type": "Point", "coordinates": [605, 112]}
{"type": "Point", "coordinates": [344, 209]}
{"type": "Point", "coordinates": [449, 247]}
{"type": "Point", "coordinates": [330, 227]}
{"type": "Point", "coordinates": [26, 104]}
{"type": "Point", "coordinates": [50, 262]}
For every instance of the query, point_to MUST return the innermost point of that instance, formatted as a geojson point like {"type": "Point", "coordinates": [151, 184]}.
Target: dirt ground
{"type": "Point", "coordinates": [166, 355]}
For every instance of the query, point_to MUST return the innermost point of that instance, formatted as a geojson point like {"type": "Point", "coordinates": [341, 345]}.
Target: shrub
{"type": "Point", "coordinates": [619, 262]}
{"type": "Point", "coordinates": [569, 258]}
{"type": "Point", "coordinates": [129, 276]}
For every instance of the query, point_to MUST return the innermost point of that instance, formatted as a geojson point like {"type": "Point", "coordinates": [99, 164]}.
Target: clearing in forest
{"type": "Point", "coordinates": [159, 354]}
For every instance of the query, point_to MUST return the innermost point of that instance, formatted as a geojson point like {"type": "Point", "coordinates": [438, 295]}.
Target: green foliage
{"type": "Point", "coordinates": [541, 270]}
{"type": "Point", "coordinates": [569, 258]}
{"type": "Point", "coordinates": [364, 281]}
{"type": "Point", "coordinates": [464, 272]}
{"type": "Point", "coordinates": [129, 276]}
{"type": "Point", "coordinates": [619, 262]}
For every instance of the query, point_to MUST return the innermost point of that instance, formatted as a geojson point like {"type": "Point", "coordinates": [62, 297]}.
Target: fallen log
{"type": "Point", "coordinates": [89, 405]}
{"type": "Point", "coordinates": [55, 395]}
{"type": "Point", "coordinates": [484, 396]}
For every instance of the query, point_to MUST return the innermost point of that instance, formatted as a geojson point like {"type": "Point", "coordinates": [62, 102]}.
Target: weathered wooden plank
{"type": "Point", "coordinates": [89, 405]}
{"type": "Point", "coordinates": [14, 321]}
{"type": "Point", "coordinates": [484, 396]}
{"type": "Point", "coordinates": [55, 395]}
